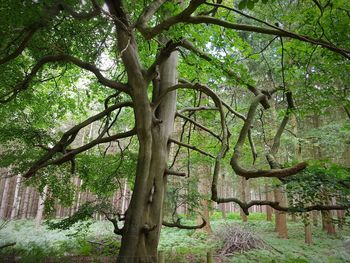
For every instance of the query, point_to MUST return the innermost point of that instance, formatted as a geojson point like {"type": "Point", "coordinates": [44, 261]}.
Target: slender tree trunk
{"type": "Point", "coordinates": [223, 194]}
{"type": "Point", "coordinates": [243, 196]}
{"type": "Point", "coordinates": [314, 215]}
{"type": "Point", "coordinates": [269, 197]}
{"type": "Point", "coordinates": [25, 203]}
{"type": "Point", "coordinates": [124, 197]}
{"type": "Point", "coordinates": [307, 230]}
{"type": "Point", "coordinates": [204, 189]}
{"type": "Point", "coordinates": [40, 210]}
{"type": "Point", "coordinates": [4, 200]}
{"type": "Point", "coordinates": [16, 198]}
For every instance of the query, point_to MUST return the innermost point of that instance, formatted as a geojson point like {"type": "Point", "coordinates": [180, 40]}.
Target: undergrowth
{"type": "Point", "coordinates": [179, 246]}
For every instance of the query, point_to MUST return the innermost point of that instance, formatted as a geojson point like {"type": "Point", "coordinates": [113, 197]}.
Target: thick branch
{"type": "Point", "coordinates": [237, 151]}
{"type": "Point", "coordinates": [149, 33]}
{"type": "Point", "coordinates": [245, 206]}
{"type": "Point", "coordinates": [147, 14]}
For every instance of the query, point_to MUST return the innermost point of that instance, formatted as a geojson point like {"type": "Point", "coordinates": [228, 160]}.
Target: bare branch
{"type": "Point", "coordinates": [179, 225]}
{"type": "Point", "coordinates": [191, 147]}
{"type": "Point", "coordinates": [200, 108]}
{"type": "Point", "coordinates": [172, 172]}
{"type": "Point", "coordinates": [198, 125]}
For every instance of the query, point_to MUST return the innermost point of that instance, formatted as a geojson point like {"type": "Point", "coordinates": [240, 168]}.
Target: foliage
{"type": "Point", "coordinates": [318, 184]}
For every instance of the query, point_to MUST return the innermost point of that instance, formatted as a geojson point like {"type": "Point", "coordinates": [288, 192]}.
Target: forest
{"type": "Point", "coordinates": [175, 131]}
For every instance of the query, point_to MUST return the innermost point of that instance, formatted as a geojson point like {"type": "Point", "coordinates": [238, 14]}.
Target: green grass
{"type": "Point", "coordinates": [38, 244]}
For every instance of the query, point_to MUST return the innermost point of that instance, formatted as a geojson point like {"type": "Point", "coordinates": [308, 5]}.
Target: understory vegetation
{"type": "Point", "coordinates": [96, 243]}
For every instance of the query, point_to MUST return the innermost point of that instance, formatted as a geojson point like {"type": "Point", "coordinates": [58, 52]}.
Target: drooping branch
{"type": "Point", "coordinates": [179, 225]}
{"type": "Point", "coordinates": [23, 85]}
{"type": "Point", "coordinates": [31, 31]}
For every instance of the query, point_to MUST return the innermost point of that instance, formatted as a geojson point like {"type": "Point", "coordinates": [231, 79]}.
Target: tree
{"type": "Point", "coordinates": [49, 44]}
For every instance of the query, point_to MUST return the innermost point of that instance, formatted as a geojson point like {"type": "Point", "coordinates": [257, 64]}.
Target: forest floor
{"type": "Point", "coordinates": [95, 243]}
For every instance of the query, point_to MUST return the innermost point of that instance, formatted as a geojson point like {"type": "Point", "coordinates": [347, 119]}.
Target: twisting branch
{"type": "Point", "coordinates": [279, 173]}
{"type": "Point", "coordinates": [179, 225]}
{"type": "Point", "coordinates": [246, 205]}
{"type": "Point", "coordinates": [23, 85]}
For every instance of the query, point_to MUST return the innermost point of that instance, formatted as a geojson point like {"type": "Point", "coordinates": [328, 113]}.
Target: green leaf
{"type": "Point", "coordinates": [242, 4]}
{"type": "Point", "coordinates": [250, 4]}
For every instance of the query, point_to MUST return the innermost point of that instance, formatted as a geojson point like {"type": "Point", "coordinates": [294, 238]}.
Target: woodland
{"type": "Point", "coordinates": [174, 131]}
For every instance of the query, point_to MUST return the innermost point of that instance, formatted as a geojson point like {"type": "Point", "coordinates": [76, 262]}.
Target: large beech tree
{"type": "Point", "coordinates": [129, 52]}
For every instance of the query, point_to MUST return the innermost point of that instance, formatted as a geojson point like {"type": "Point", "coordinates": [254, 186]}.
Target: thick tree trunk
{"type": "Point", "coordinates": [144, 215]}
